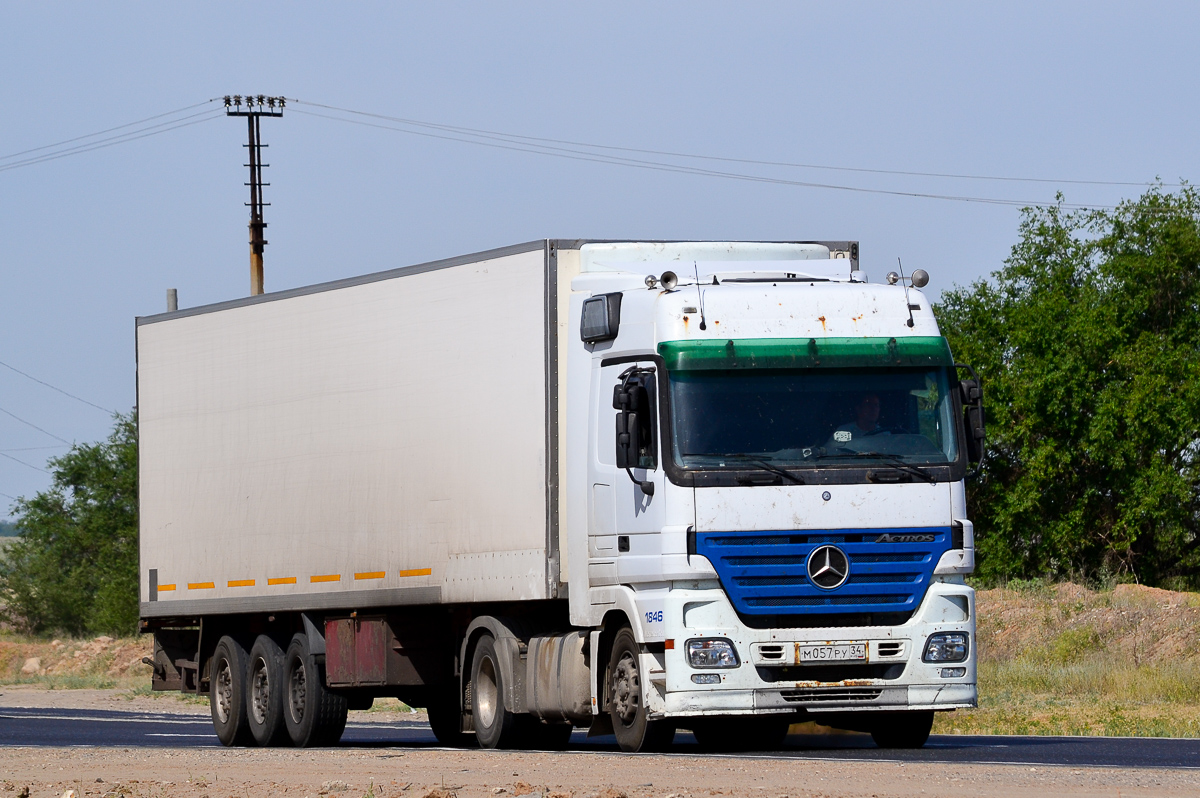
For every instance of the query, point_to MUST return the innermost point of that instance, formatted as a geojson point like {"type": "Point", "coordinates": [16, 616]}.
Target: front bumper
{"type": "Point", "coordinates": [769, 678]}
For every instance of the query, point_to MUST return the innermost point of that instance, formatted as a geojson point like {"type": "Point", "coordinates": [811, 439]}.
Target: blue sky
{"type": "Point", "coordinates": [1055, 91]}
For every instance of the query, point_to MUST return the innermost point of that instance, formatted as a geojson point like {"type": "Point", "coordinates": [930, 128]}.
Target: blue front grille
{"type": "Point", "coordinates": [764, 572]}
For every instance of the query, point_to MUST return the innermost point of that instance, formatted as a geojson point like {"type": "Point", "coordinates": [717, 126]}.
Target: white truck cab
{"type": "Point", "coordinates": [774, 491]}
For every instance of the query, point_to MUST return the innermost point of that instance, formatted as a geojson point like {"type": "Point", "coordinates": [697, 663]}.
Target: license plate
{"type": "Point", "coordinates": [835, 652]}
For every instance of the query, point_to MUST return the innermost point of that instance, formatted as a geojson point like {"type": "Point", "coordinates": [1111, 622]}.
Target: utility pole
{"type": "Point", "coordinates": [256, 108]}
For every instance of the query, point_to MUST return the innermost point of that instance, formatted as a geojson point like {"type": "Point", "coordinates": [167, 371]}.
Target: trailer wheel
{"type": "Point", "coordinates": [495, 726]}
{"type": "Point", "coordinates": [902, 729]}
{"type": "Point", "coordinates": [264, 693]}
{"type": "Point", "coordinates": [633, 729]}
{"type": "Point", "coordinates": [227, 692]}
{"type": "Point", "coordinates": [741, 733]}
{"type": "Point", "coordinates": [312, 714]}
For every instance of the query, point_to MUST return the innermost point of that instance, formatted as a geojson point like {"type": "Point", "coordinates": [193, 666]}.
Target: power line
{"type": "Point", "coordinates": [22, 462]}
{"type": "Point", "coordinates": [113, 141]}
{"type": "Point", "coordinates": [675, 154]}
{"type": "Point", "coordinates": [31, 449]}
{"type": "Point", "coordinates": [659, 166]}
{"type": "Point", "coordinates": [107, 130]}
{"type": "Point", "coordinates": [56, 388]}
{"type": "Point", "coordinates": [35, 426]}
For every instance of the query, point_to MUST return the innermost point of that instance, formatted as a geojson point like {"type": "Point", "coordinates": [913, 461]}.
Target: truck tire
{"type": "Point", "coordinates": [902, 729]}
{"type": "Point", "coordinates": [741, 733]}
{"type": "Point", "coordinates": [633, 729]}
{"type": "Point", "coordinates": [227, 692]}
{"type": "Point", "coordinates": [495, 726]}
{"type": "Point", "coordinates": [445, 718]}
{"type": "Point", "coordinates": [264, 693]}
{"type": "Point", "coordinates": [312, 715]}
{"type": "Point", "coordinates": [538, 736]}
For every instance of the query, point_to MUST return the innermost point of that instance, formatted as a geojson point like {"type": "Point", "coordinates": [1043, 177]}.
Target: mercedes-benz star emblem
{"type": "Point", "coordinates": [828, 567]}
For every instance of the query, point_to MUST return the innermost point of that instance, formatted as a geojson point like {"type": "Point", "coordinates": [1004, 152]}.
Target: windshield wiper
{"type": "Point", "coordinates": [893, 460]}
{"type": "Point", "coordinates": [765, 466]}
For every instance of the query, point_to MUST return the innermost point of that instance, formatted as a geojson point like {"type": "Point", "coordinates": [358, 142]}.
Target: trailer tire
{"type": "Point", "coordinates": [264, 693]}
{"type": "Point", "coordinates": [227, 692]}
{"type": "Point", "coordinates": [741, 733]}
{"type": "Point", "coordinates": [495, 726]}
{"type": "Point", "coordinates": [633, 729]}
{"type": "Point", "coordinates": [312, 714]}
{"type": "Point", "coordinates": [902, 729]}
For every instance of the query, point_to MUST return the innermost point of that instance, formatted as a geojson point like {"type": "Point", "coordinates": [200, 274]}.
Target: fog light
{"type": "Point", "coordinates": [947, 647]}
{"type": "Point", "coordinates": [712, 653]}
{"type": "Point", "coordinates": [953, 673]}
{"type": "Point", "coordinates": [706, 678]}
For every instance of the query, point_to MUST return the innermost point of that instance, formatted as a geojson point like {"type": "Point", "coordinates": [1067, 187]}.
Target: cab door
{"type": "Point", "coordinates": [627, 485]}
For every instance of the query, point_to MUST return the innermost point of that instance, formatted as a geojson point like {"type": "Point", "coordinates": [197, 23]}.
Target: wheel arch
{"type": "Point", "coordinates": [510, 636]}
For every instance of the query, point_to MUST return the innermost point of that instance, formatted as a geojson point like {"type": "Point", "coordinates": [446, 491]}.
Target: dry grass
{"type": "Point", "coordinates": [1062, 659]}
{"type": "Point", "coordinates": [70, 663]}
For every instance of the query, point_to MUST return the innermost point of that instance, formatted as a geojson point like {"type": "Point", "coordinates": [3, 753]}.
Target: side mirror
{"type": "Point", "coordinates": [973, 420]}
{"type": "Point", "coordinates": [634, 426]}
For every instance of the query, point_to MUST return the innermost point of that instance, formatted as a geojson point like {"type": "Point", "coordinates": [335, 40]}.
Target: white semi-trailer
{"type": "Point", "coordinates": [634, 487]}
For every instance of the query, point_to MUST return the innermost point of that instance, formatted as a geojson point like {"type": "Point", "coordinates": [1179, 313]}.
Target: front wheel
{"type": "Point", "coordinates": [902, 729]}
{"type": "Point", "coordinates": [630, 719]}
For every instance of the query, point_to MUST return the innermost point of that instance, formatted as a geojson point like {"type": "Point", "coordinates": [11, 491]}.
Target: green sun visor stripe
{"type": "Point", "coordinates": [805, 353]}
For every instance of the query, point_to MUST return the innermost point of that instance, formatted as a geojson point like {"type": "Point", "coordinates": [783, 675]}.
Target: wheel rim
{"type": "Point", "coordinates": [260, 690]}
{"type": "Point", "coordinates": [224, 690]}
{"type": "Point", "coordinates": [297, 689]}
{"type": "Point", "coordinates": [486, 692]}
{"type": "Point", "coordinates": [627, 692]}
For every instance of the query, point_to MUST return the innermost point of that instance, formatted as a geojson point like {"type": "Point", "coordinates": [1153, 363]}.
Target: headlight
{"type": "Point", "coordinates": [712, 653]}
{"type": "Point", "coordinates": [947, 647]}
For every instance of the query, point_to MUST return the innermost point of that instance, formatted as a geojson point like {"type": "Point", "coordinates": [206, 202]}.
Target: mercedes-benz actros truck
{"type": "Point", "coordinates": [632, 487]}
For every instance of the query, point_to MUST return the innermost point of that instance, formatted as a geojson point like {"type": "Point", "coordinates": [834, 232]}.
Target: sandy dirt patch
{"type": "Point", "coordinates": [222, 773]}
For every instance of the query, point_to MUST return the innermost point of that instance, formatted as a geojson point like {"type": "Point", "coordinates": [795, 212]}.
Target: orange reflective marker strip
{"type": "Point", "coordinates": [326, 578]}
{"type": "Point", "coordinates": [282, 580]}
{"type": "Point", "coordinates": [371, 575]}
{"type": "Point", "coordinates": [417, 572]}
{"type": "Point", "coordinates": [241, 583]}
{"type": "Point", "coordinates": [165, 588]}
{"type": "Point", "coordinates": [669, 644]}
{"type": "Point", "coordinates": [200, 585]}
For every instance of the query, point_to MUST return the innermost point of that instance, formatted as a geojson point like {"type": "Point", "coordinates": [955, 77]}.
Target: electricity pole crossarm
{"type": "Point", "coordinates": [256, 107]}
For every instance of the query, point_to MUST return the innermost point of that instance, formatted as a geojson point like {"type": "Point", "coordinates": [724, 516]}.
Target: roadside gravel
{"type": "Point", "coordinates": [234, 773]}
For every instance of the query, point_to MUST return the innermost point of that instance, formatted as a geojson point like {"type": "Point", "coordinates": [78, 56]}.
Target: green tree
{"type": "Point", "coordinates": [74, 568]}
{"type": "Point", "coordinates": [1088, 345]}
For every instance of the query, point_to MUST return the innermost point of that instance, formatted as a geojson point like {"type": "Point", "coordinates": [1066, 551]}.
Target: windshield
{"type": "Point", "coordinates": [726, 418]}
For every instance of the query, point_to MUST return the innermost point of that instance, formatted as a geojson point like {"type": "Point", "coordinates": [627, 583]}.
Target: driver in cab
{"type": "Point", "coordinates": [851, 436]}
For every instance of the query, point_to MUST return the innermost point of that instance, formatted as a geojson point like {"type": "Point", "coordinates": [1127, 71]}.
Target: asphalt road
{"type": "Point", "coordinates": [73, 727]}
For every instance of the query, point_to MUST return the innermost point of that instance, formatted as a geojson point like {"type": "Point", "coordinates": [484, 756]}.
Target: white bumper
{"type": "Point", "coordinates": [769, 679]}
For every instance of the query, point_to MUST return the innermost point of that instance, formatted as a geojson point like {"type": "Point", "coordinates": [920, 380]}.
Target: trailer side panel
{"type": "Point", "coordinates": [369, 445]}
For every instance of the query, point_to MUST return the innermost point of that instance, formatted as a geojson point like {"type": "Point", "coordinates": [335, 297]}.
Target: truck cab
{"type": "Point", "coordinates": [776, 452]}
